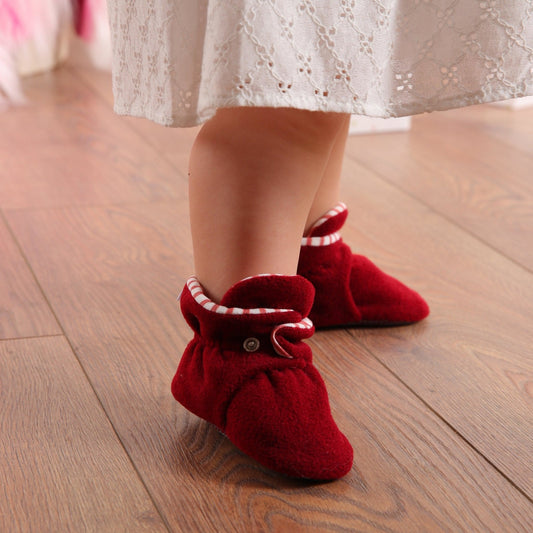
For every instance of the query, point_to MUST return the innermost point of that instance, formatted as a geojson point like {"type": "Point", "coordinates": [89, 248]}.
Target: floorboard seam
{"type": "Point", "coordinates": [148, 141]}
{"type": "Point", "coordinates": [439, 213]}
{"type": "Point", "coordinates": [87, 206]}
{"type": "Point", "coordinates": [442, 419]}
{"type": "Point", "coordinates": [31, 337]}
{"type": "Point", "coordinates": [90, 383]}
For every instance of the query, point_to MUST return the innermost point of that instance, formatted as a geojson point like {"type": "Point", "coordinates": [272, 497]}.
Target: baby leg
{"type": "Point", "coordinates": [254, 173]}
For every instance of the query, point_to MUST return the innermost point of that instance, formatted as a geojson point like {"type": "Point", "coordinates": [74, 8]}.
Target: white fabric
{"type": "Point", "coordinates": [177, 61]}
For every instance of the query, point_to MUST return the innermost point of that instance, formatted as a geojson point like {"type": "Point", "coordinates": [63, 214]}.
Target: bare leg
{"type": "Point", "coordinates": [327, 195]}
{"type": "Point", "coordinates": [254, 173]}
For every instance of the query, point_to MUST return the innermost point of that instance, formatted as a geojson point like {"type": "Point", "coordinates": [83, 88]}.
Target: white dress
{"type": "Point", "coordinates": [177, 61]}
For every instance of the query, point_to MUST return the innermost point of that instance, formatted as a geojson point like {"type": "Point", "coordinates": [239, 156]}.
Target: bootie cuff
{"type": "Point", "coordinates": [251, 327]}
{"type": "Point", "coordinates": [325, 230]}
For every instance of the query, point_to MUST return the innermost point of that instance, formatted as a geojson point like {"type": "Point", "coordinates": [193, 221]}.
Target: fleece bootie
{"type": "Point", "coordinates": [248, 372]}
{"type": "Point", "coordinates": [350, 289]}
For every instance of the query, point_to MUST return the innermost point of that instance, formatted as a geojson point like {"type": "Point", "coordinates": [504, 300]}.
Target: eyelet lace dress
{"type": "Point", "coordinates": [177, 61]}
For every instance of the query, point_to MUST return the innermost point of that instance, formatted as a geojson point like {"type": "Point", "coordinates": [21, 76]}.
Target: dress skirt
{"type": "Point", "coordinates": [177, 61]}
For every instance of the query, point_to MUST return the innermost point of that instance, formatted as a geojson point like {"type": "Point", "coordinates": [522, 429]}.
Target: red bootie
{"type": "Point", "coordinates": [350, 289]}
{"type": "Point", "coordinates": [248, 372]}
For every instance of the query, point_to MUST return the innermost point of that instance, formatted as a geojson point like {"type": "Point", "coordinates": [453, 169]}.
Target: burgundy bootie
{"type": "Point", "coordinates": [350, 289]}
{"type": "Point", "coordinates": [248, 372]}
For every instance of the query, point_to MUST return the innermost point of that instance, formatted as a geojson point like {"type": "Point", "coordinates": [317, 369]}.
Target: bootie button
{"type": "Point", "coordinates": [251, 344]}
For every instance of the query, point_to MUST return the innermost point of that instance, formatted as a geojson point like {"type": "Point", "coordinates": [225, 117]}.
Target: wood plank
{"type": "Point", "coordinates": [471, 144]}
{"type": "Point", "coordinates": [462, 172]}
{"type": "Point", "coordinates": [114, 296]}
{"type": "Point", "coordinates": [471, 360]}
{"type": "Point", "coordinates": [411, 444]}
{"type": "Point", "coordinates": [80, 152]}
{"type": "Point", "coordinates": [174, 144]}
{"type": "Point", "coordinates": [23, 309]}
{"type": "Point", "coordinates": [63, 468]}
{"type": "Point", "coordinates": [512, 128]}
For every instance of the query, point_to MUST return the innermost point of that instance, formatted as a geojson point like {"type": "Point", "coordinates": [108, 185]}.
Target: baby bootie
{"type": "Point", "coordinates": [350, 289]}
{"type": "Point", "coordinates": [248, 372]}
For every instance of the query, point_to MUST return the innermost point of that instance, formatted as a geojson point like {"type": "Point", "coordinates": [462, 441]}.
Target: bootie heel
{"type": "Point", "coordinates": [248, 372]}
{"type": "Point", "coordinates": [350, 289]}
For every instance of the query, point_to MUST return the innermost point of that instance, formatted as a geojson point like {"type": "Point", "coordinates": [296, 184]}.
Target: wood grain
{"type": "Point", "coordinates": [464, 173]}
{"type": "Point", "coordinates": [81, 154]}
{"type": "Point", "coordinates": [114, 299]}
{"type": "Point", "coordinates": [394, 434]}
{"type": "Point", "coordinates": [172, 143]}
{"type": "Point", "coordinates": [23, 309]}
{"type": "Point", "coordinates": [63, 468]}
{"type": "Point", "coordinates": [460, 361]}
{"type": "Point", "coordinates": [512, 128]}
{"type": "Point", "coordinates": [439, 413]}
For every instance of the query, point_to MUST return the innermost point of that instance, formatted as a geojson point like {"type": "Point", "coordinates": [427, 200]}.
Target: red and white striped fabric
{"type": "Point", "coordinates": [198, 294]}
{"type": "Point", "coordinates": [324, 240]}
{"type": "Point", "coordinates": [304, 324]}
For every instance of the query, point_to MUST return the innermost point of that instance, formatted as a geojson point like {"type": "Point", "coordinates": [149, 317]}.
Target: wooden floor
{"type": "Point", "coordinates": [95, 246]}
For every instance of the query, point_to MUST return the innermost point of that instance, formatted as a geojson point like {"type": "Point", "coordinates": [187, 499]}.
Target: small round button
{"type": "Point", "coordinates": [251, 344]}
